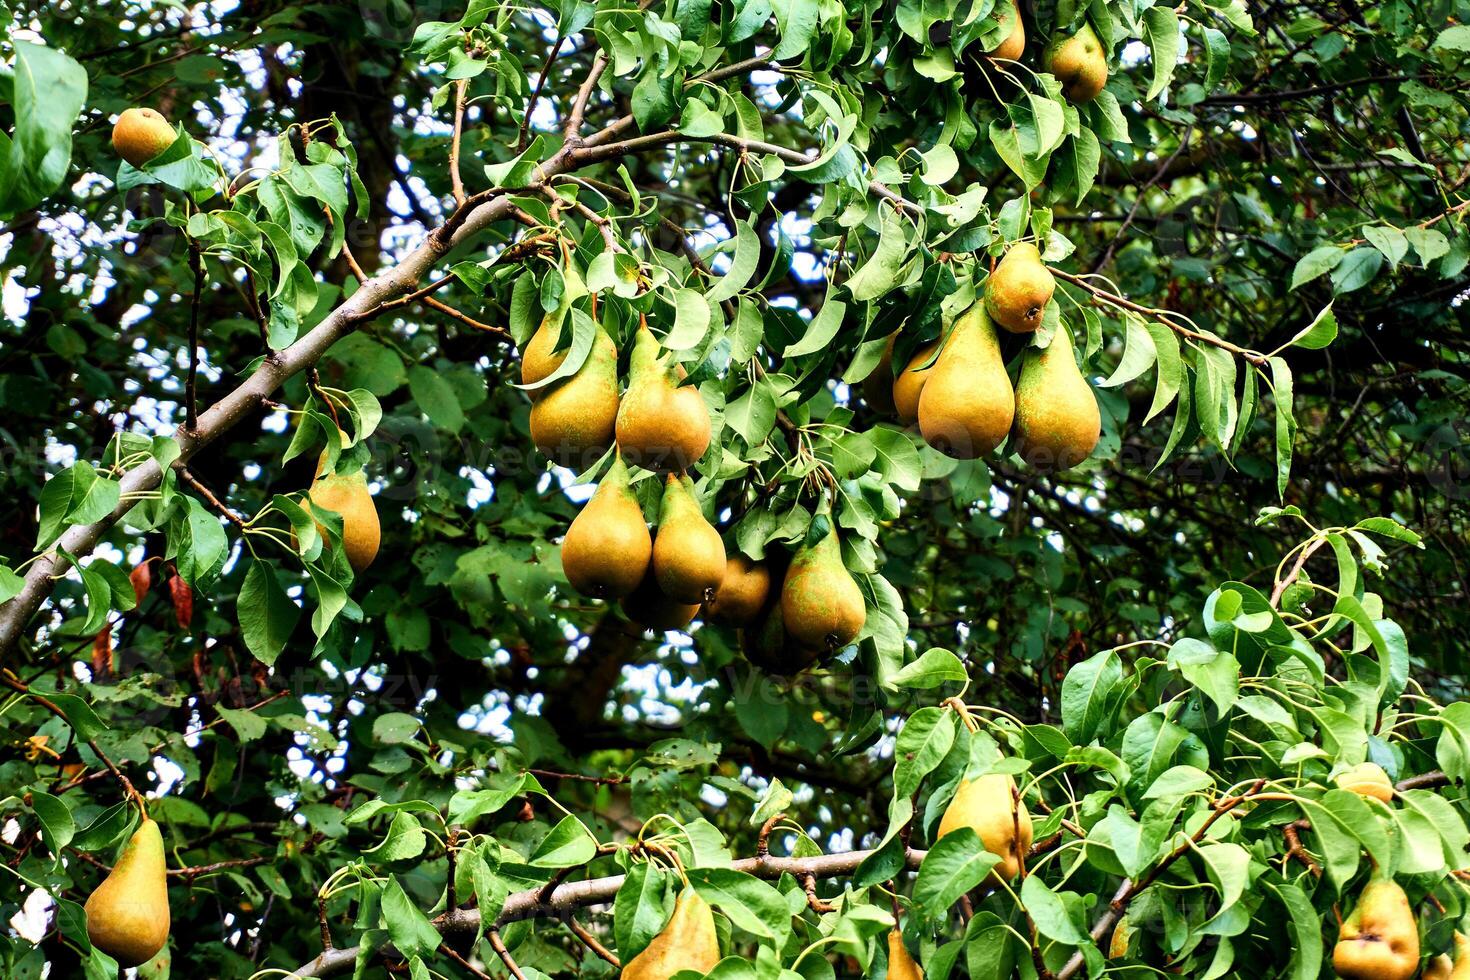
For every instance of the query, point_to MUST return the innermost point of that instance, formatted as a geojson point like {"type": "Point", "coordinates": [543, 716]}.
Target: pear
{"type": "Point", "coordinates": [901, 965]}
{"type": "Point", "coordinates": [968, 403]}
{"type": "Point", "coordinates": [572, 422]}
{"type": "Point", "coordinates": [878, 385]}
{"type": "Point", "coordinates": [139, 135]}
{"type": "Point", "coordinates": [660, 426]}
{"type": "Point", "coordinates": [1440, 967]}
{"type": "Point", "coordinates": [1079, 63]}
{"type": "Point", "coordinates": [687, 942]}
{"type": "Point", "coordinates": [1057, 418]}
{"type": "Point", "coordinates": [821, 605]}
{"type": "Point", "coordinates": [1380, 940]}
{"type": "Point", "coordinates": [688, 555]}
{"type": "Point", "coordinates": [742, 592]}
{"type": "Point", "coordinates": [989, 806]}
{"type": "Point", "coordinates": [1367, 779]}
{"type": "Point", "coordinates": [606, 551]}
{"type": "Point", "coordinates": [768, 646]}
{"type": "Point", "coordinates": [1014, 45]}
{"type": "Point", "coordinates": [348, 495]}
{"type": "Point", "coordinates": [1018, 290]}
{"type": "Point", "coordinates": [647, 606]}
{"type": "Point", "coordinates": [127, 916]}
{"type": "Point", "coordinates": [909, 384]}
{"type": "Point", "coordinates": [541, 357]}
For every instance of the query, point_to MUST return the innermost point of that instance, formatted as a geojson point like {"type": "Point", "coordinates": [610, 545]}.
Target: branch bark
{"type": "Point", "coordinates": [564, 899]}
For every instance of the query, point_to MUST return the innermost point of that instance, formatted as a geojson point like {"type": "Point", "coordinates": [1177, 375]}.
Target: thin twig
{"type": "Point", "coordinates": [450, 952]}
{"type": "Point", "coordinates": [536, 92]}
{"type": "Point", "coordinates": [590, 941]}
{"type": "Point", "coordinates": [497, 944]}
{"type": "Point", "coordinates": [455, 182]}
{"type": "Point", "coordinates": [191, 402]}
{"type": "Point", "coordinates": [194, 482]}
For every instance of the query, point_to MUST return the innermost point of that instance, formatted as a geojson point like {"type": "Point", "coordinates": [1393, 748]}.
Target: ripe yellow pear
{"type": "Point", "coordinates": [647, 606]}
{"type": "Point", "coordinates": [967, 404]}
{"type": "Point", "coordinates": [1014, 45]}
{"type": "Point", "coordinates": [1057, 418]}
{"type": "Point", "coordinates": [687, 942]}
{"type": "Point", "coordinates": [688, 555]}
{"type": "Point", "coordinates": [139, 135]}
{"type": "Point", "coordinates": [1367, 779]}
{"type": "Point", "coordinates": [127, 916]}
{"type": "Point", "coordinates": [1079, 63]}
{"type": "Point", "coordinates": [606, 551]}
{"type": "Point", "coordinates": [909, 385]}
{"type": "Point", "coordinates": [821, 605]}
{"type": "Point", "coordinates": [660, 426]}
{"type": "Point", "coordinates": [348, 495]}
{"type": "Point", "coordinates": [1380, 940]}
{"type": "Point", "coordinates": [1440, 967]}
{"type": "Point", "coordinates": [901, 965]}
{"type": "Point", "coordinates": [742, 593]}
{"type": "Point", "coordinates": [1018, 290]}
{"type": "Point", "coordinates": [1459, 968]}
{"type": "Point", "coordinates": [990, 807]}
{"type": "Point", "coordinates": [572, 421]}
{"type": "Point", "coordinates": [541, 357]}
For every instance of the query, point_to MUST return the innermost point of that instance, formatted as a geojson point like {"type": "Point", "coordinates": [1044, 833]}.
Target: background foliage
{"type": "Point", "coordinates": [1276, 190]}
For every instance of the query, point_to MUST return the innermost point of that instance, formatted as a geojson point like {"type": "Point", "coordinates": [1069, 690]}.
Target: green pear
{"type": "Point", "coordinates": [1380, 939]}
{"type": "Point", "coordinates": [127, 916]}
{"type": "Point", "coordinates": [901, 965]}
{"type": "Point", "coordinates": [606, 551]}
{"type": "Point", "coordinates": [967, 403]}
{"type": "Point", "coordinates": [688, 555]}
{"type": "Point", "coordinates": [1018, 290]}
{"type": "Point", "coordinates": [1057, 418]}
{"type": "Point", "coordinates": [572, 422]}
{"type": "Point", "coordinates": [660, 425]}
{"type": "Point", "coordinates": [990, 807]}
{"type": "Point", "coordinates": [821, 604]}
{"type": "Point", "coordinates": [1079, 63]}
{"type": "Point", "coordinates": [687, 942]}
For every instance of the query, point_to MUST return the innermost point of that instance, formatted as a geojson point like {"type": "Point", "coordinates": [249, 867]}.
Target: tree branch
{"type": "Point", "coordinates": [563, 899]}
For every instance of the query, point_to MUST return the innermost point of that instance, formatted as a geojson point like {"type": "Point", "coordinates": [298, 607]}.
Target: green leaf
{"type": "Point", "coordinates": [1357, 269]}
{"type": "Point", "coordinates": [267, 615]}
{"type": "Point", "coordinates": [411, 931]}
{"type": "Point", "coordinates": [1281, 384]}
{"type": "Point", "coordinates": [957, 863]}
{"type": "Point", "coordinates": [1139, 354]}
{"type": "Point", "coordinates": [1161, 29]}
{"type": "Point", "coordinates": [751, 904]}
{"type": "Point", "coordinates": [1321, 332]}
{"type": "Point", "coordinates": [820, 331]}
{"type": "Point", "coordinates": [57, 826]}
{"type": "Point", "coordinates": [931, 669]}
{"type": "Point", "coordinates": [435, 395]}
{"type": "Point", "coordinates": [46, 90]}
{"type": "Point", "coordinates": [879, 274]}
{"type": "Point", "coordinates": [1317, 262]}
{"type": "Point", "coordinates": [567, 845]}
{"type": "Point", "coordinates": [742, 266]}
{"type": "Point", "coordinates": [1088, 694]}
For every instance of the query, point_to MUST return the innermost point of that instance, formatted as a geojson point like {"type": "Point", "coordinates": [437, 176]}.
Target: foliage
{"type": "Point", "coordinates": [1260, 243]}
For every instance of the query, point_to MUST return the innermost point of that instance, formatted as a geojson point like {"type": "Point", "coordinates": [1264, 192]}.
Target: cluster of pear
{"type": "Point", "coordinates": [960, 395]}
{"type": "Point", "coordinates": [127, 916]}
{"type": "Point", "coordinates": [663, 578]}
{"type": "Point", "coordinates": [657, 424]}
{"type": "Point", "coordinates": [1077, 60]}
{"type": "Point", "coordinates": [1380, 939]}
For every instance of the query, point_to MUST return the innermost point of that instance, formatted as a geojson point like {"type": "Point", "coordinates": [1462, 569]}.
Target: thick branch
{"type": "Point", "coordinates": [563, 899]}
